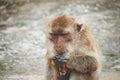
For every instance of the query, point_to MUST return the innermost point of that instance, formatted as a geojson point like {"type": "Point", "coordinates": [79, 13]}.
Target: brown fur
{"type": "Point", "coordinates": [59, 23]}
{"type": "Point", "coordinates": [83, 53]}
{"type": "Point", "coordinates": [83, 64]}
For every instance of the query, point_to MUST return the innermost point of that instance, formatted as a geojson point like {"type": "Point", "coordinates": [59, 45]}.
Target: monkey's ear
{"type": "Point", "coordinates": [79, 27]}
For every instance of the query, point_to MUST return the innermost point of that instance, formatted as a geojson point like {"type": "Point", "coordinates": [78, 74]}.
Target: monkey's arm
{"type": "Point", "coordinates": [83, 64]}
{"type": "Point", "coordinates": [49, 74]}
{"type": "Point", "coordinates": [51, 71]}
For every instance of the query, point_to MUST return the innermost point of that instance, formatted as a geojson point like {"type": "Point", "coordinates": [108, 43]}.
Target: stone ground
{"type": "Point", "coordinates": [22, 34]}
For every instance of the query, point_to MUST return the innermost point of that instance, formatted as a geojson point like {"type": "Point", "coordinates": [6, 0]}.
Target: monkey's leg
{"type": "Point", "coordinates": [87, 76]}
{"type": "Point", "coordinates": [80, 76]}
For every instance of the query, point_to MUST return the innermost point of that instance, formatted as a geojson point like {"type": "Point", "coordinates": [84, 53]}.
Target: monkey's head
{"type": "Point", "coordinates": [60, 35]}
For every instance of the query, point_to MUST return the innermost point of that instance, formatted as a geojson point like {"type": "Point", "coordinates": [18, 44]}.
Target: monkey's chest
{"type": "Point", "coordinates": [63, 73]}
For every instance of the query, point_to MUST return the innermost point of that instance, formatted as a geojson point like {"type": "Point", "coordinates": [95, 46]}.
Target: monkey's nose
{"type": "Point", "coordinates": [59, 49]}
{"type": "Point", "coordinates": [58, 46]}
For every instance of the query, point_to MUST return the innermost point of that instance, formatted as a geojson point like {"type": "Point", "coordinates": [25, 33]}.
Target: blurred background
{"type": "Point", "coordinates": [22, 34]}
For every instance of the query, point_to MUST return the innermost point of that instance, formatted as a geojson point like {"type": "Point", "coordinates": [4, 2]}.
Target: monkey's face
{"type": "Point", "coordinates": [60, 39]}
{"type": "Point", "coordinates": [61, 31]}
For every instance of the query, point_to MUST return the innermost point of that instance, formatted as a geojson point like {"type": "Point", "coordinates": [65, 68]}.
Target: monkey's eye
{"type": "Point", "coordinates": [52, 34]}
{"type": "Point", "coordinates": [50, 39]}
{"type": "Point", "coordinates": [60, 34]}
{"type": "Point", "coordinates": [65, 34]}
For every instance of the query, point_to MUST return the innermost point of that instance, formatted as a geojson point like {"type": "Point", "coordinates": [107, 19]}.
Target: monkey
{"type": "Point", "coordinates": [72, 46]}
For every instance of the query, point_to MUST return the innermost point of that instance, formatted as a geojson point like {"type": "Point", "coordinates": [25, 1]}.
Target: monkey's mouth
{"type": "Point", "coordinates": [61, 52]}
{"type": "Point", "coordinates": [61, 58]}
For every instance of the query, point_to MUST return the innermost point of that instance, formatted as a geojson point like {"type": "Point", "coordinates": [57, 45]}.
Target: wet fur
{"type": "Point", "coordinates": [82, 51]}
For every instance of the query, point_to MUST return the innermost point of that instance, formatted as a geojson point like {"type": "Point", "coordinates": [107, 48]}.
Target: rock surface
{"type": "Point", "coordinates": [22, 34]}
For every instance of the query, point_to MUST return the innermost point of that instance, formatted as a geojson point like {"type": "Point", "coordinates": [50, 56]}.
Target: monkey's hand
{"type": "Point", "coordinates": [83, 64]}
{"type": "Point", "coordinates": [61, 58]}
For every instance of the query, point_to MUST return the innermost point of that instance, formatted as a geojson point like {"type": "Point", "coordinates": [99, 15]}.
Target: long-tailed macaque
{"type": "Point", "coordinates": [72, 52]}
